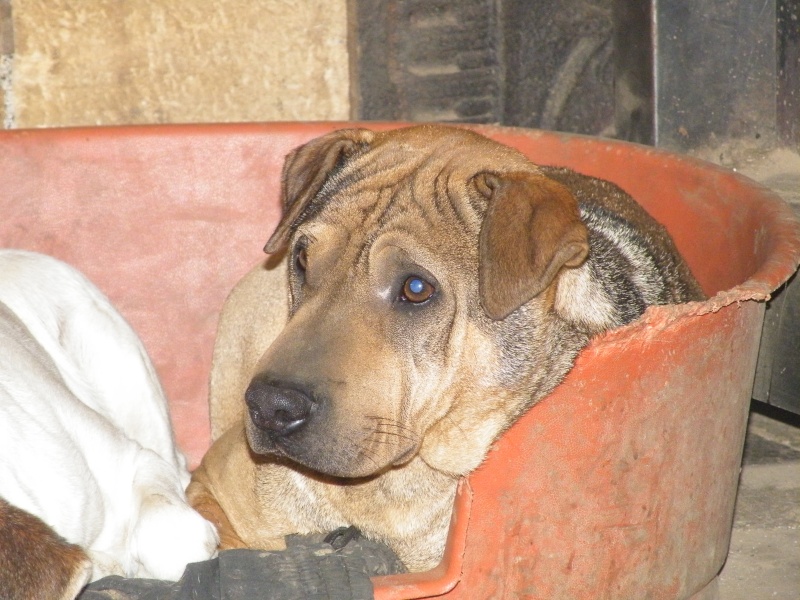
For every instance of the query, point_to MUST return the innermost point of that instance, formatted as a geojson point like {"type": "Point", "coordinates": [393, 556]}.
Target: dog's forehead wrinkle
{"type": "Point", "coordinates": [344, 176]}
{"type": "Point", "coordinates": [378, 209]}
{"type": "Point", "coordinates": [436, 251]}
{"type": "Point", "coordinates": [365, 209]}
{"type": "Point", "coordinates": [471, 211]}
{"type": "Point", "coordinates": [444, 144]}
{"type": "Point", "coordinates": [446, 203]}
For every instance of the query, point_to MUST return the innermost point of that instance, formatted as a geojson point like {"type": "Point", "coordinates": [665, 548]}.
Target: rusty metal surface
{"type": "Point", "coordinates": [620, 484]}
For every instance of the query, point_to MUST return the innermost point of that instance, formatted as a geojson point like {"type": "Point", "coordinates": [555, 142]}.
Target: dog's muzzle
{"type": "Point", "coordinates": [277, 409]}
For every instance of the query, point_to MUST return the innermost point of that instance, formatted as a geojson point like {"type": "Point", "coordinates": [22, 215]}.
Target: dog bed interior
{"type": "Point", "coordinates": [621, 482]}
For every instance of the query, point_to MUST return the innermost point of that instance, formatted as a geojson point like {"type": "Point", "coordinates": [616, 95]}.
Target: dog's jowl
{"type": "Point", "coordinates": [435, 285]}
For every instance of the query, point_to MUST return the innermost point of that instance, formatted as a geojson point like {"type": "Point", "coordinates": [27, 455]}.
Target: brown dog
{"type": "Point", "coordinates": [439, 284]}
{"type": "Point", "coordinates": [35, 562]}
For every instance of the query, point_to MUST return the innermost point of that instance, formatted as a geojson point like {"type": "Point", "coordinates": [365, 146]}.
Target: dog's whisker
{"type": "Point", "coordinates": [402, 435]}
{"type": "Point", "coordinates": [385, 442]}
{"type": "Point", "coordinates": [457, 426]}
{"type": "Point", "coordinates": [395, 435]}
{"type": "Point", "coordinates": [393, 426]}
{"type": "Point", "coordinates": [360, 452]}
{"type": "Point", "coordinates": [382, 441]}
{"type": "Point", "coordinates": [384, 421]}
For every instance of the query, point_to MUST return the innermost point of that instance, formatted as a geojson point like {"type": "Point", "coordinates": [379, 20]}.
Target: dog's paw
{"type": "Point", "coordinates": [169, 536]}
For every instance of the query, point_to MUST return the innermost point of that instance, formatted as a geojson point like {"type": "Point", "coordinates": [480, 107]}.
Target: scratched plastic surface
{"type": "Point", "coordinates": [620, 484]}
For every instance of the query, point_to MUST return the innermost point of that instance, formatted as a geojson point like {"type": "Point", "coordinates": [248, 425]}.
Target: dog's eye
{"type": "Point", "coordinates": [416, 290]}
{"type": "Point", "coordinates": [301, 259]}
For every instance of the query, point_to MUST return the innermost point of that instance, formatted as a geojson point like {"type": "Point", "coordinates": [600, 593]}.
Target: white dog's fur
{"type": "Point", "coordinates": [85, 437]}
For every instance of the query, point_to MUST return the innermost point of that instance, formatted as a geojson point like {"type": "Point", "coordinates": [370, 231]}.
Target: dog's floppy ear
{"type": "Point", "coordinates": [304, 173]}
{"type": "Point", "coordinates": [531, 230]}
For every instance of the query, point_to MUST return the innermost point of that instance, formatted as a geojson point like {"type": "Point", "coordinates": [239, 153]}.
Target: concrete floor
{"type": "Point", "coordinates": [764, 558]}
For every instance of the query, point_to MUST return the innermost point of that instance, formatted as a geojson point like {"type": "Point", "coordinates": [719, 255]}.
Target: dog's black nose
{"type": "Point", "coordinates": [277, 408]}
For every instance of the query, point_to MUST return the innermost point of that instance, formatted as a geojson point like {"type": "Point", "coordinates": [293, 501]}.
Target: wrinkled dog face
{"type": "Point", "coordinates": [412, 270]}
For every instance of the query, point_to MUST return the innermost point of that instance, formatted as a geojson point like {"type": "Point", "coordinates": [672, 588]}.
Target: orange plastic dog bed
{"type": "Point", "coordinates": [620, 484]}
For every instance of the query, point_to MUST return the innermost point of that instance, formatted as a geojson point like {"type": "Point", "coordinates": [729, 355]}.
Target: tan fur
{"type": "Point", "coordinates": [259, 298]}
{"type": "Point", "coordinates": [396, 400]}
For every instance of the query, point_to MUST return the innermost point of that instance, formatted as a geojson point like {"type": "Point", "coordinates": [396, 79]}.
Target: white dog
{"type": "Point", "coordinates": [85, 441]}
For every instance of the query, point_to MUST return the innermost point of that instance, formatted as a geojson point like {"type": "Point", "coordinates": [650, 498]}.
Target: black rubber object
{"type": "Point", "coordinates": [309, 569]}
